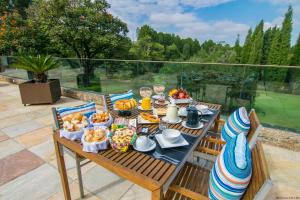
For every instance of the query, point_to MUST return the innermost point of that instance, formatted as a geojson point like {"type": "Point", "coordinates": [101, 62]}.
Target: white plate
{"type": "Point", "coordinates": [181, 101]}
{"type": "Point", "coordinates": [195, 128]}
{"type": "Point", "coordinates": [143, 121]}
{"type": "Point", "coordinates": [155, 112]}
{"type": "Point", "coordinates": [162, 104]}
{"type": "Point", "coordinates": [140, 108]}
{"type": "Point", "coordinates": [178, 120]}
{"type": "Point", "coordinates": [206, 112]}
{"type": "Point", "coordinates": [202, 112]}
{"type": "Point", "coordinates": [156, 97]}
{"type": "Point", "coordinates": [163, 143]}
{"type": "Point", "coordinates": [153, 146]}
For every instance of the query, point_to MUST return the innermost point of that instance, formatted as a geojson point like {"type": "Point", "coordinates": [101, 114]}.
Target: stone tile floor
{"type": "Point", "coordinates": [28, 168]}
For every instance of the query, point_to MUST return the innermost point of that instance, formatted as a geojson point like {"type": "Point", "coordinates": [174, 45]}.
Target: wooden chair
{"type": "Point", "coordinates": [79, 160]}
{"type": "Point", "coordinates": [211, 145]}
{"type": "Point", "coordinates": [192, 180]}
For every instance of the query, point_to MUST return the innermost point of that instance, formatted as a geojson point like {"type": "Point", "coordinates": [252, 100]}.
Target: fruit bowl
{"type": "Point", "coordinates": [179, 96]}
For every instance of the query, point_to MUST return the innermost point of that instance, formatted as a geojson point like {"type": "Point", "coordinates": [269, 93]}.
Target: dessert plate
{"type": "Point", "coordinates": [140, 108]}
{"type": "Point", "coordinates": [150, 148]}
{"type": "Point", "coordinates": [200, 125]}
{"type": "Point", "coordinates": [161, 104]}
{"type": "Point", "coordinates": [141, 120]}
{"type": "Point", "coordinates": [163, 143]}
{"type": "Point", "coordinates": [176, 122]}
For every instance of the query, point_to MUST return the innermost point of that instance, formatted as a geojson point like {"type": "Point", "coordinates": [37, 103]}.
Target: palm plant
{"type": "Point", "coordinates": [39, 65]}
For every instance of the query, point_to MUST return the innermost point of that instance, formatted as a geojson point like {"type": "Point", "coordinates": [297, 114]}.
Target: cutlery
{"type": "Point", "coordinates": [204, 120]}
{"type": "Point", "coordinates": [172, 160]}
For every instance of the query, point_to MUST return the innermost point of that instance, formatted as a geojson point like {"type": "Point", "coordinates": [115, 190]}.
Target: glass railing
{"type": "Point", "coordinates": [272, 90]}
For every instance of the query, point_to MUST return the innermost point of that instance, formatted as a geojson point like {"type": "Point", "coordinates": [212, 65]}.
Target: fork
{"type": "Point", "coordinates": [167, 158]}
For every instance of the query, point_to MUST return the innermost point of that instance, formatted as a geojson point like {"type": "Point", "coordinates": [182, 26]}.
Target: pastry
{"type": "Point", "coordinates": [125, 104]}
{"type": "Point", "coordinates": [100, 117]}
{"type": "Point", "coordinates": [95, 135]}
{"type": "Point", "coordinates": [75, 122]}
{"type": "Point", "coordinates": [161, 111]}
{"type": "Point", "coordinates": [149, 117]}
{"type": "Point", "coordinates": [123, 136]}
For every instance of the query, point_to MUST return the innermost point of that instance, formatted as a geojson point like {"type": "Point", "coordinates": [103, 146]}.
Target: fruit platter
{"type": "Point", "coordinates": [179, 96]}
{"type": "Point", "coordinates": [148, 118]}
{"type": "Point", "coordinates": [124, 106]}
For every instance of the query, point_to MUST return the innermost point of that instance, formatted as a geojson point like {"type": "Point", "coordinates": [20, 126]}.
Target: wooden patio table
{"type": "Point", "coordinates": [153, 174]}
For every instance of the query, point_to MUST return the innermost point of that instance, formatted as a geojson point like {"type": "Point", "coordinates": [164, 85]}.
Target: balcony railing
{"type": "Point", "coordinates": [274, 91]}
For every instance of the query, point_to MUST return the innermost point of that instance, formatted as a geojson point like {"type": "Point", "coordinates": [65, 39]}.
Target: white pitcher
{"type": "Point", "coordinates": [172, 113]}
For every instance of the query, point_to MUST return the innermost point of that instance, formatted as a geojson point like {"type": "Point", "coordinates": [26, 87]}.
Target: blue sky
{"type": "Point", "coordinates": [220, 20]}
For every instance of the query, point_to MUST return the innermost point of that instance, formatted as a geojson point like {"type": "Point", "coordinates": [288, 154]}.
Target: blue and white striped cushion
{"type": "Point", "coordinates": [238, 122]}
{"type": "Point", "coordinates": [116, 97]}
{"type": "Point", "coordinates": [231, 173]}
{"type": "Point", "coordinates": [86, 109]}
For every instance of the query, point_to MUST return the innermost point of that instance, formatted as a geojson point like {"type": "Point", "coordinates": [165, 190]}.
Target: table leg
{"type": "Point", "coordinates": [216, 126]}
{"type": "Point", "coordinates": [158, 194]}
{"type": "Point", "coordinates": [62, 169]}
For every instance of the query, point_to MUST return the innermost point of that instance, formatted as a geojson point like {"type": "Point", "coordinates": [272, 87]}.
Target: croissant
{"type": "Point", "coordinates": [125, 104]}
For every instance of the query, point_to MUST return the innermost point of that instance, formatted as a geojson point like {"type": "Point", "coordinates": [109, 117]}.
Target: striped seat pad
{"type": "Point", "coordinates": [231, 173]}
{"type": "Point", "coordinates": [116, 97]}
{"type": "Point", "coordinates": [238, 122]}
{"type": "Point", "coordinates": [86, 109]}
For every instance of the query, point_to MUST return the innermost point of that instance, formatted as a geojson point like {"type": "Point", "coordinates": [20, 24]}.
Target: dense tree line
{"type": "Point", "coordinates": [85, 29]}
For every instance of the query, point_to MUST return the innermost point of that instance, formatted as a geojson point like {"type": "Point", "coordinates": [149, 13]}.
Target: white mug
{"type": "Point", "coordinates": [142, 142]}
{"type": "Point", "coordinates": [172, 113]}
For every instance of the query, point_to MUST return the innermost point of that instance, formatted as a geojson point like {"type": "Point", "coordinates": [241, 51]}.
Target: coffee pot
{"type": "Point", "coordinates": [192, 117]}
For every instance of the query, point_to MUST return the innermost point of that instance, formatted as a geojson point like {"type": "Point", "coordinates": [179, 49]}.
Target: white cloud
{"type": "Point", "coordinates": [189, 25]}
{"type": "Point", "coordinates": [204, 3]}
{"type": "Point", "coordinates": [170, 16]}
{"type": "Point", "coordinates": [278, 2]}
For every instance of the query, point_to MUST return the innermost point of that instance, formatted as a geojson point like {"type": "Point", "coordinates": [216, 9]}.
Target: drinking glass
{"type": "Point", "coordinates": [145, 92]}
{"type": "Point", "coordinates": [163, 125]}
{"type": "Point", "coordinates": [159, 90]}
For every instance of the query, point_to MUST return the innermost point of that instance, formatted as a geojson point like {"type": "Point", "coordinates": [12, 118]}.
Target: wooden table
{"type": "Point", "coordinates": [152, 174]}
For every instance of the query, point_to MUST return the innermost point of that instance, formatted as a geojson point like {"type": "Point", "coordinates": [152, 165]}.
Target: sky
{"type": "Point", "coordinates": [220, 20]}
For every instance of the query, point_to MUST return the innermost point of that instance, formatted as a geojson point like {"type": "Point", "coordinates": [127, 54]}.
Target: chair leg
{"type": "Point", "coordinates": [78, 168]}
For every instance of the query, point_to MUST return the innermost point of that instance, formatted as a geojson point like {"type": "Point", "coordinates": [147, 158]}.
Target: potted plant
{"type": "Point", "coordinates": [40, 90]}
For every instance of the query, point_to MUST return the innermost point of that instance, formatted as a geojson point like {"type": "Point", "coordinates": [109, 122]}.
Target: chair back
{"type": "Point", "coordinates": [57, 119]}
{"type": "Point", "coordinates": [255, 128]}
{"type": "Point", "coordinates": [108, 102]}
{"type": "Point", "coordinates": [260, 183]}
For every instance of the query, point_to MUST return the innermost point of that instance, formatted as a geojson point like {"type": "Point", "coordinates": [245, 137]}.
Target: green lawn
{"type": "Point", "coordinates": [278, 109]}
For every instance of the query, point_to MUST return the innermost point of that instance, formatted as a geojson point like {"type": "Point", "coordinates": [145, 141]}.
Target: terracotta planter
{"type": "Point", "coordinates": [40, 93]}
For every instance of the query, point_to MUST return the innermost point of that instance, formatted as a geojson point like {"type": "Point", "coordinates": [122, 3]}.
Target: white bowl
{"type": "Point", "coordinates": [171, 135]}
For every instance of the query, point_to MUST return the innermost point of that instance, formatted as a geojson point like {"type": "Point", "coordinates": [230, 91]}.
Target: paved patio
{"type": "Point", "coordinates": [28, 168]}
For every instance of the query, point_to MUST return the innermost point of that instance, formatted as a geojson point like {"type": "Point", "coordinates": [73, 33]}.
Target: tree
{"type": "Point", "coordinates": [257, 44]}
{"type": "Point", "coordinates": [295, 61]}
{"type": "Point", "coordinates": [274, 54]}
{"type": "Point", "coordinates": [82, 27]}
{"type": "Point", "coordinates": [145, 49]}
{"type": "Point", "coordinates": [247, 47]}
{"type": "Point", "coordinates": [238, 50]}
{"type": "Point", "coordinates": [12, 25]}
{"type": "Point", "coordinates": [268, 38]}
{"type": "Point", "coordinates": [186, 51]}
{"type": "Point", "coordinates": [172, 52]}
{"type": "Point", "coordinates": [285, 37]}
